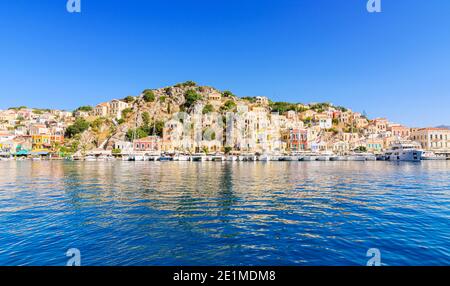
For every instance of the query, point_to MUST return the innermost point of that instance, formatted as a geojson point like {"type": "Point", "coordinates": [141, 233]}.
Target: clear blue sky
{"type": "Point", "coordinates": [394, 64]}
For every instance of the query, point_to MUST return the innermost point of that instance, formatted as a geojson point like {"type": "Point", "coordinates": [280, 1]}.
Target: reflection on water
{"type": "Point", "coordinates": [181, 213]}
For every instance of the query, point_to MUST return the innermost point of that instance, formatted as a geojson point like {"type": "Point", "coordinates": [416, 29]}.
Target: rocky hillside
{"type": "Point", "coordinates": [149, 110]}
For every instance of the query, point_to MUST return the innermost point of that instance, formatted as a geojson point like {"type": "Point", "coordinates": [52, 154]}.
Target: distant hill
{"type": "Point", "coordinates": [444, 126]}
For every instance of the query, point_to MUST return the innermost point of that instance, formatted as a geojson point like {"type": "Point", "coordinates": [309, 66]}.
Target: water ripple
{"type": "Point", "coordinates": [168, 213]}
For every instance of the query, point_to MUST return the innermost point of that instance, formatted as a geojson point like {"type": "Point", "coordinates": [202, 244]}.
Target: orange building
{"type": "Point", "coordinates": [45, 142]}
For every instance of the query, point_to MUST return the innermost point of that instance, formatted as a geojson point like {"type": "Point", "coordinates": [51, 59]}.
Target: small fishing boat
{"type": "Point", "coordinates": [356, 157]}
{"type": "Point", "coordinates": [165, 158]}
{"type": "Point", "coordinates": [380, 157]}
{"type": "Point", "coordinates": [217, 158]}
{"type": "Point", "coordinates": [181, 157]}
{"type": "Point", "coordinates": [338, 158]}
{"type": "Point", "coordinates": [286, 158]}
{"type": "Point", "coordinates": [370, 157]}
{"type": "Point", "coordinates": [198, 157]}
{"type": "Point", "coordinates": [248, 157]}
{"type": "Point", "coordinates": [309, 157]}
{"type": "Point", "coordinates": [231, 158]}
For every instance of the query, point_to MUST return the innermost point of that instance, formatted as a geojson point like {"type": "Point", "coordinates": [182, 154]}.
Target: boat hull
{"type": "Point", "coordinates": [409, 155]}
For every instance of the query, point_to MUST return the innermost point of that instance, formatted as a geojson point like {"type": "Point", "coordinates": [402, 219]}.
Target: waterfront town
{"type": "Point", "coordinates": [189, 120]}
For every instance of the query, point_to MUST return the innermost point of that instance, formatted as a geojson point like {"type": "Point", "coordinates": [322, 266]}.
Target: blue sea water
{"type": "Point", "coordinates": [210, 213]}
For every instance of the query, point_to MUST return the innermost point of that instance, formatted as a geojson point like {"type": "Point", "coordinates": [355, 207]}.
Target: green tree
{"type": "Point", "coordinates": [361, 149]}
{"type": "Point", "coordinates": [249, 99]}
{"type": "Point", "coordinates": [191, 97]}
{"type": "Point", "coordinates": [146, 118]}
{"type": "Point", "coordinates": [333, 130]}
{"type": "Point", "coordinates": [188, 83]}
{"type": "Point", "coordinates": [97, 123]}
{"type": "Point", "coordinates": [129, 99]}
{"type": "Point", "coordinates": [85, 108]}
{"type": "Point", "coordinates": [228, 150]}
{"type": "Point", "coordinates": [78, 127]}
{"type": "Point", "coordinates": [229, 105]}
{"type": "Point", "coordinates": [168, 90]}
{"type": "Point", "coordinates": [139, 132]}
{"type": "Point", "coordinates": [126, 112]}
{"type": "Point", "coordinates": [319, 107]}
{"type": "Point", "coordinates": [208, 109]}
{"type": "Point", "coordinates": [282, 107]}
{"type": "Point", "coordinates": [158, 128]}
{"type": "Point", "coordinates": [227, 93]}
{"type": "Point", "coordinates": [341, 108]}
{"type": "Point", "coordinates": [149, 95]}
{"type": "Point", "coordinates": [18, 108]}
{"type": "Point", "coordinates": [307, 120]}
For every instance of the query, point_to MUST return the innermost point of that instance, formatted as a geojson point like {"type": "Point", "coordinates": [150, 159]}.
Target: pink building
{"type": "Point", "coordinates": [400, 131]}
{"type": "Point", "coordinates": [150, 143]}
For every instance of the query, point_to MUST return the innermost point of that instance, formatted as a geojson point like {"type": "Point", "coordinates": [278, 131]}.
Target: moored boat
{"type": "Point", "coordinates": [199, 157]}
{"type": "Point", "coordinates": [338, 158]}
{"type": "Point", "coordinates": [370, 157]}
{"type": "Point", "coordinates": [356, 157]}
{"type": "Point", "coordinates": [247, 157]}
{"type": "Point", "coordinates": [231, 158]}
{"type": "Point", "coordinates": [429, 155]}
{"type": "Point", "coordinates": [264, 158]}
{"type": "Point", "coordinates": [404, 151]}
{"type": "Point", "coordinates": [181, 157]}
{"type": "Point", "coordinates": [90, 158]}
{"type": "Point", "coordinates": [165, 158]}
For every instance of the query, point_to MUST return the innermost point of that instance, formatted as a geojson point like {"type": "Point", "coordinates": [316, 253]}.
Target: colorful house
{"type": "Point", "coordinates": [149, 144]}
{"type": "Point", "coordinates": [296, 139]}
{"type": "Point", "coordinates": [46, 142]}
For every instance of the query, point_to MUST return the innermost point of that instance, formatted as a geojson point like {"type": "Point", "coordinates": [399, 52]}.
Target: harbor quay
{"type": "Point", "coordinates": [187, 122]}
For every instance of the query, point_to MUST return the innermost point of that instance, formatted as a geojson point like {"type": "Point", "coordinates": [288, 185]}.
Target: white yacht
{"type": "Point", "coordinates": [404, 151]}
{"type": "Point", "coordinates": [231, 158]}
{"type": "Point", "coordinates": [90, 158]}
{"type": "Point", "coordinates": [339, 157]}
{"type": "Point", "coordinates": [429, 155]}
{"type": "Point", "coordinates": [181, 157]}
{"type": "Point", "coordinates": [309, 157]}
{"type": "Point", "coordinates": [356, 157]}
{"type": "Point", "coordinates": [198, 157]}
{"type": "Point", "coordinates": [264, 157]}
{"type": "Point", "coordinates": [325, 156]}
{"type": "Point", "coordinates": [370, 157]}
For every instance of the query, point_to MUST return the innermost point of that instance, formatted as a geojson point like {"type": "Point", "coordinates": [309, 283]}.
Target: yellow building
{"type": "Point", "coordinates": [41, 142]}
{"type": "Point", "coordinates": [45, 142]}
